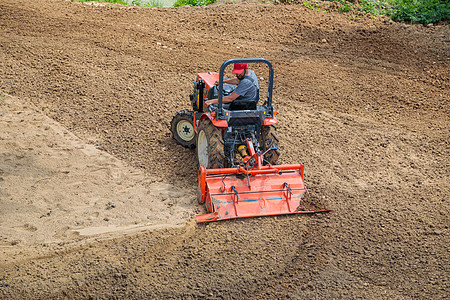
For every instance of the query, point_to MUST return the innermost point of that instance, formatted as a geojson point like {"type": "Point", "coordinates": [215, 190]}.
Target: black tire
{"type": "Point", "coordinates": [268, 140]}
{"type": "Point", "coordinates": [182, 128]}
{"type": "Point", "coordinates": [210, 146]}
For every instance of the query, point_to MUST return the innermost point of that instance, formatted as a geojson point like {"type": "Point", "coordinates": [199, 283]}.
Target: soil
{"type": "Point", "coordinates": [98, 201]}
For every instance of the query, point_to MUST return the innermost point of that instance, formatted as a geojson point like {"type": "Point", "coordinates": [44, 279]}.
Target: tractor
{"type": "Point", "coordinates": [237, 151]}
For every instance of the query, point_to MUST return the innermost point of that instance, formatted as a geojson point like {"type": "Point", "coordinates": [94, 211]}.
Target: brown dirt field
{"type": "Point", "coordinates": [363, 103]}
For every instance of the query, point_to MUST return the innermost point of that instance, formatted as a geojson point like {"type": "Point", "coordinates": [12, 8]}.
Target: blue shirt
{"type": "Point", "coordinates": [247, 88]}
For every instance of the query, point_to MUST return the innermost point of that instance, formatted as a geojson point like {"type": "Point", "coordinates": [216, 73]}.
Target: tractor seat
{"type": "Point", "coordinates": [243, 105]}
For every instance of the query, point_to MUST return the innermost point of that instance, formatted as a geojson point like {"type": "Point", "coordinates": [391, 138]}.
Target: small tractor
{"type": "Point", "coordinates": [237, 151]}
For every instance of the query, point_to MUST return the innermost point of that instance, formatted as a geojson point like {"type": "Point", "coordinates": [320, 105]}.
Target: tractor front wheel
{"type": "Point", "coordinates": [182, 128]}
{"type": "Point", "coordinates": [210, 146]}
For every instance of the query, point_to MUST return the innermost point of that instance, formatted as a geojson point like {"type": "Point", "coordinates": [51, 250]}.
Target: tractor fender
{"type": "Point", "coordinates": [269, 121]}
{"type": "Point", "coordinates": [211, 117]}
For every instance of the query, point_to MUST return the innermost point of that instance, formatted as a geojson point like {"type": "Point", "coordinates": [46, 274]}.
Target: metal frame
{"type": "Point", "coordinates": [221, 114]}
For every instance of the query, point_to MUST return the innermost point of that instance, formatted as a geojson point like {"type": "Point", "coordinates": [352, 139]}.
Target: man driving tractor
{"type": "Point", "coordinates": [237, 147]}
{"type": "Point", "coordinates": [247, 89]}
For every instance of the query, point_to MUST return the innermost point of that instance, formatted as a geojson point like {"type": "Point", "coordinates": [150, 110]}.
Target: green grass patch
{"type": "Point", "coordinates": [179, 3]}
{"type": "Point", "coordinates": [122, 2]}
{"type": "Point", "coordinates": [153, 3]}
{"type": "Point", "coordinates": [413, 11]}
{"type": "Point", "coordinates": [143, 3]}
{"type": "Point", "coordinates": [374, 7]}
{"type": "Point", "coordinates": [312, 4]}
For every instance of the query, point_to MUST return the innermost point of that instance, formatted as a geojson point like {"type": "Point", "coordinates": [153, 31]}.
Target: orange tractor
{"type": "Point", "coordinates": [237, 153]}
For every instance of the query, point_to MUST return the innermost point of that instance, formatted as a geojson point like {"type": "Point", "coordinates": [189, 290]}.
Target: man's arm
{"type": "Point", "coordinates": [227, 99]}
{"type": "Point", "coordinates": [229, 81]}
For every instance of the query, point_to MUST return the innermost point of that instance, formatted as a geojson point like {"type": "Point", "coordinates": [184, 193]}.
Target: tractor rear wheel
{"type": "Point", "coordinates": [182, 128]}
{"type": "Point", "coordinates": [269, 140]}
{"type": "Point", "coordinates": [210, 146]}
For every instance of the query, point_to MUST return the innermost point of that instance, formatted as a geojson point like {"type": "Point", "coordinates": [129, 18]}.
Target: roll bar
{"type": "Point", "coordinates": [220, 114]}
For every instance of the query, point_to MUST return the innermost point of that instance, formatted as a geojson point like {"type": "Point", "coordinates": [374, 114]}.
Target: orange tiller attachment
{"type": "Point", "coordinates": [261, 191]}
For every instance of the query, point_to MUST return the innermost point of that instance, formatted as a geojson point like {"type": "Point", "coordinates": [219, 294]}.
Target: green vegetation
{"type": "Point", "coordinates": [312, 4]}
{"type": "Point", "coordinates": [374, 7]}
{"type": "Point", "coordinates": [107, 1]}
{"type": "Point", "coordinates": [420, 11]}
{"type": "Point", "coordinates": [345, 6]}
{"type": "Point", "coordinates": [143, 3]}
{"type": "Point", "coordinates": [193, 2]}
{"type": "Point", "coordinates": [414, 11]}
{"type": "Point", "coordinates": [123, 2]}
{"type": "Point", "coordinates": [153, 3]}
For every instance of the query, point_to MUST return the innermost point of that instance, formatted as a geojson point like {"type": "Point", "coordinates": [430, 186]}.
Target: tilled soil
{"type": "Point", "coordinates": [362, 101]}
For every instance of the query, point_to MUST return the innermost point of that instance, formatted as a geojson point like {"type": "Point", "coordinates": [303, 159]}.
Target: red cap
{"type": "Point", "coordinates": [239, 68]}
